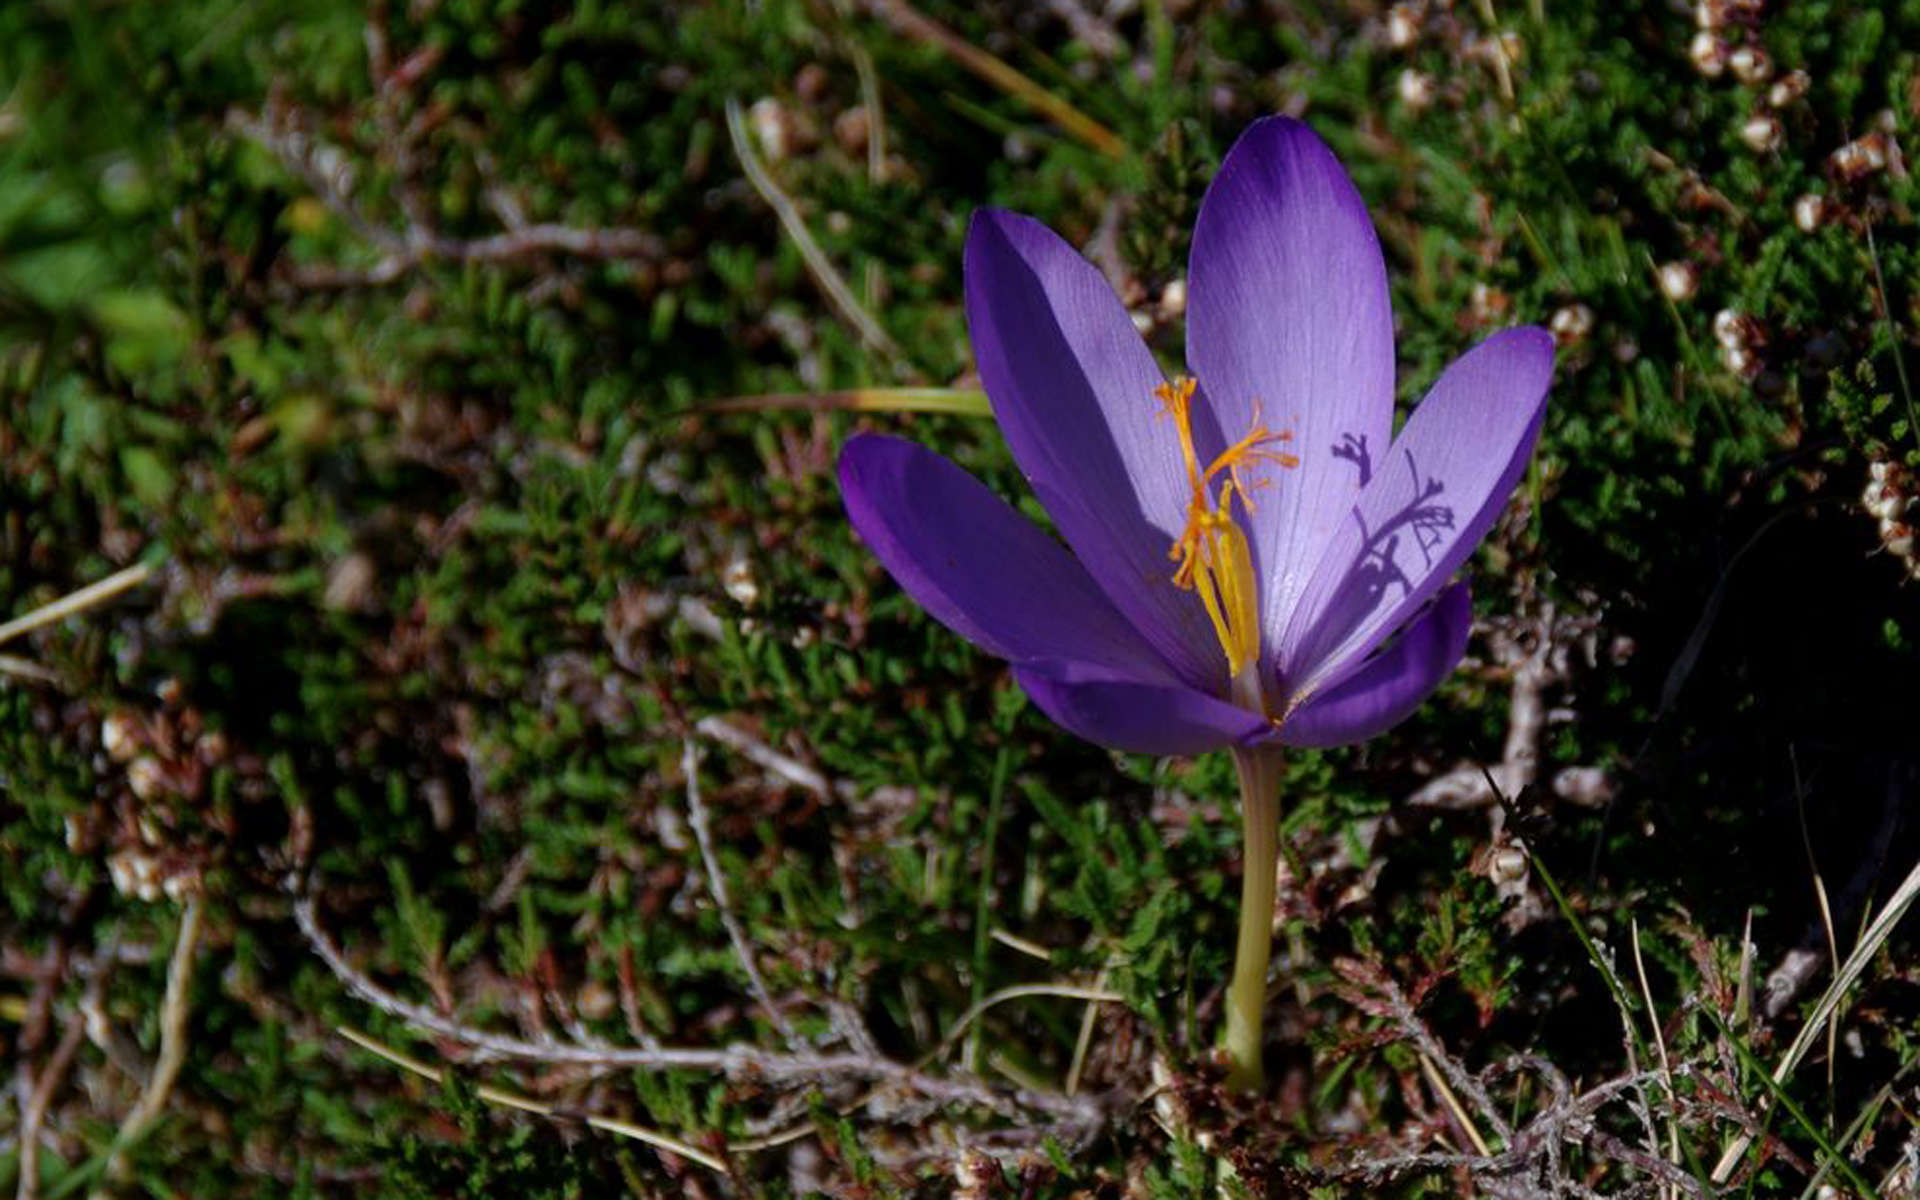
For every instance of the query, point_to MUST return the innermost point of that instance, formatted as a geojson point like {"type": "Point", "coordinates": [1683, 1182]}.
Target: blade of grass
{"type": "Point", "coordinates": [917, 25]}
{"type": "Point", "coordinates": [963, 402]}
{"type": "Point", "coordinates": [1659, 1045]}
{"type": "Point", "coordinates": [76, 602]}
{"type": "Point", "coordinates": [839, 295]}
{"type": "Point", "coordinates": [1793, 1109]}
{"type": "Point", "coordinates": [506, 1099]}
{"type": "Point", "coordinates": [1870, 943]}
{"type": "Point", "coordinates": [1600, 963]}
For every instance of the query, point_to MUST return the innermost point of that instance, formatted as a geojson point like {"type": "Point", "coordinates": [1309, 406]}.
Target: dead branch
{"type": "Point", "coordinates": [717, 886]}
{"type": "Point", "coordinates": [330, 176]}
{"type": "Point", "coordinates": [737, 1062]}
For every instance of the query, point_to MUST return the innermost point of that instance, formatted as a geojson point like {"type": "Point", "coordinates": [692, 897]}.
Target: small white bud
{"type": "Point", "coordinates": [1883, 502]}
{"type": "Point", "coordinates": [1416, 88]}
{"type": "Point", "coordinates": [772, 127]}
{"type": "Point", "coordinates": [1788, 88]}
{"type": "Point", "coordinates": [1173, 299]}
{"type": "Point", "coordinates": [1729, 328]}
{"type": "Point", "coordinates": [737, 579]}
{"type": "Point", "coordinates": [1750, 64]}
{"type": "Point", "coordinates": [1738, 359]}
{"type": "Point", "coordinates": [1678, 280]}
{"type": "Point", "coordinates": [145, 776]}
{"type": "Point", "coordinates": [1761, 134]}
{"type": "Point", "coordinates": [1488, 304]}
{"type": "Point", "coordinates": [1403, 26]}
{"type": "Point", "coordinates": [1810, 212]}
{"type": "Point", "coordinates": [180, 886]}
{"type": "Point", "coordinates": [1709, 54]}
{"type": "Point", "coordinates": [1898, 536]}
{"type": "Point", "coordinates": [1861, 156]}
{"type": "Point", "coordinates": [1571, 323]}
{"type": "Point", "coordinates": [1507, 866]}
{"type": "Point", "coordinates": [119, 737]}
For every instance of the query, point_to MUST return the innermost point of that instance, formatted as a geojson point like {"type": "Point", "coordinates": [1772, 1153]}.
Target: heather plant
{"type": "Point", "coordinates": [452, 742]}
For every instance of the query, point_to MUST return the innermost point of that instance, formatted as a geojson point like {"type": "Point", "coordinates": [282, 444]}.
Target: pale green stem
{"type": "Point", "coordinates": [1259, 771]}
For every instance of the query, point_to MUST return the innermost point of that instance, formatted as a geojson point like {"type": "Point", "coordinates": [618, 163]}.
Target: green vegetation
{"type": "Point", "coordinates": [385, 339]}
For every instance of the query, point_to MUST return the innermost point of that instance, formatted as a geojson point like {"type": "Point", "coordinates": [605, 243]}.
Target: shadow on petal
{"type": "Point", "coordinates": [1112, 710]}
{"type": "Point", "coordinates": [1386, 689]}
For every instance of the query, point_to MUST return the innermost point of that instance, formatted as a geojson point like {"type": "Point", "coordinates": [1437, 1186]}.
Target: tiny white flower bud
{"type": "Point", "coordinates": [772, 127]}
{"type": "Point", "coordinates": [1738, 359]}
{"type": "Point", "coordinates": [119, 737]}
{"type": "Point", "coordinates": [1507, 866]}
{"type": "Point", "coordinates": [1883, 501]}
{"type": "Point", "coordinates": [1810, 212]}
{"type": "Point", "coordinates": [1788, 88]}
{"type": "Point", "coordinates": [1571, 323]}
{"type": "Point", "coordinates": [1487, 303]}
{"type": "Point", "coordinates": [1173, 299]}
{"type": "Point", "coordinates": [1678, 280]}
{"type": "Point", "coordinates": [1761, 134]}
{"type": "Point", "coordinates": [737, 579]}
{"type": "Point", "coordinates": [1898, 536]}
{"type": "Point", "coordinates": [145, 776]}
{"type": "Point", "coordinates": [180, 886]}
{"type": "Point", "coordinates": [1862, 156]}
{"type": "Point", "coordinates": [1730, 328]}
{"type": "Point", "coordinates": [1403, 26]}
{"type": "Point", "coordinates": [1709, 53]}
{"type": "Point", "coordinates": [1750, 64]}
{"type": "Point", "coordinates": [1416, 88]}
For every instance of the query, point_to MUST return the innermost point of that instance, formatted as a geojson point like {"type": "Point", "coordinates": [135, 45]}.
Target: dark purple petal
{"type": "Point", "coordinates": [1387, 688]}
{"type": "Point", "coordinates": [978, 566]}
{"type": "Point", "coordinates": [1288, 309]}
{"type": "Point", "coordinates": [1133, 715]}
{"type": "Point", "coordinates": [1072, 387]}
{"type": "Point", "coordinates": [1433, 496]}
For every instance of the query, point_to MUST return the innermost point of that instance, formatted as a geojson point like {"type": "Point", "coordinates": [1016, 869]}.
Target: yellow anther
{"type": "Point", "coordinates": [1212, 554]}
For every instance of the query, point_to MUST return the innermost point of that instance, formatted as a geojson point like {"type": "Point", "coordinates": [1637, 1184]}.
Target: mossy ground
{"type": "Point", "coordinates": [386, 335]}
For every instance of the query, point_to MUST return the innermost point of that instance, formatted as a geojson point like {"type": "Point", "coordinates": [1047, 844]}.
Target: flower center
{"type": "Point", "coordinates": [1211, 552]}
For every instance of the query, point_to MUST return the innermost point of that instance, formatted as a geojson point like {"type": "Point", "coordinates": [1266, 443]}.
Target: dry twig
{"type": "Point", "coordinates": [175, 1009]}
{"type": "Point", "coordinates": [717, 885]}
{"type": "Point", "coordinates": [737, 1061]}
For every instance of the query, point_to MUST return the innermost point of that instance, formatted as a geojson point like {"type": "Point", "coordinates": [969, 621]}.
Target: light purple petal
{"type": "Point", "coordinates": [1133, 715]}
{"type": "Point", "coordinates": [1072, 386]}
{"type": "Point", "coordinates": [1387, 688]}
{"type": "Point", "coordinates": [1288, 308]}
{"type": "Point", "coordinates": [978, 566]}
{"type": "Point", "coordinates": [1433, 496]}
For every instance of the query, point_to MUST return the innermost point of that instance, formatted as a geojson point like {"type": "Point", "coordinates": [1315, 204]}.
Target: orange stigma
{"type": "Point", "coordinates": [1212, 553]}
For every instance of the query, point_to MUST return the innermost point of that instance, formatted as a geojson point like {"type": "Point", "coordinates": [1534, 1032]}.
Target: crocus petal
{"type": "Point", "coordinates": [1433, 496]}
{"type": "Point", "coordinates": [979, 567]}
{"type": "Point", "coordinates": [1135, 715]}
{"type": "Point", "coordinates": [1072, 386]}
{"type": "Point", "coordinates": [1288, 312]}
{"type": "Point", "coordinates": [1387, 688]}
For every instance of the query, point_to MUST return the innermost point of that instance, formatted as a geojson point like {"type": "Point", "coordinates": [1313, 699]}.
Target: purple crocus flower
{"type": "Point", "coordinates": [1250, 555]}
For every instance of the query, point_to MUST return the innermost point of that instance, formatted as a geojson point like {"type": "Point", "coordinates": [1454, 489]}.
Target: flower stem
{"type": "Point", "coordinates": [1259, 771]}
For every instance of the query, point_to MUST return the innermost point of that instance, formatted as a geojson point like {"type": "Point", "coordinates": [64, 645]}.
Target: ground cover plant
{"type": "Point", "coordinates": [453, 743]}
